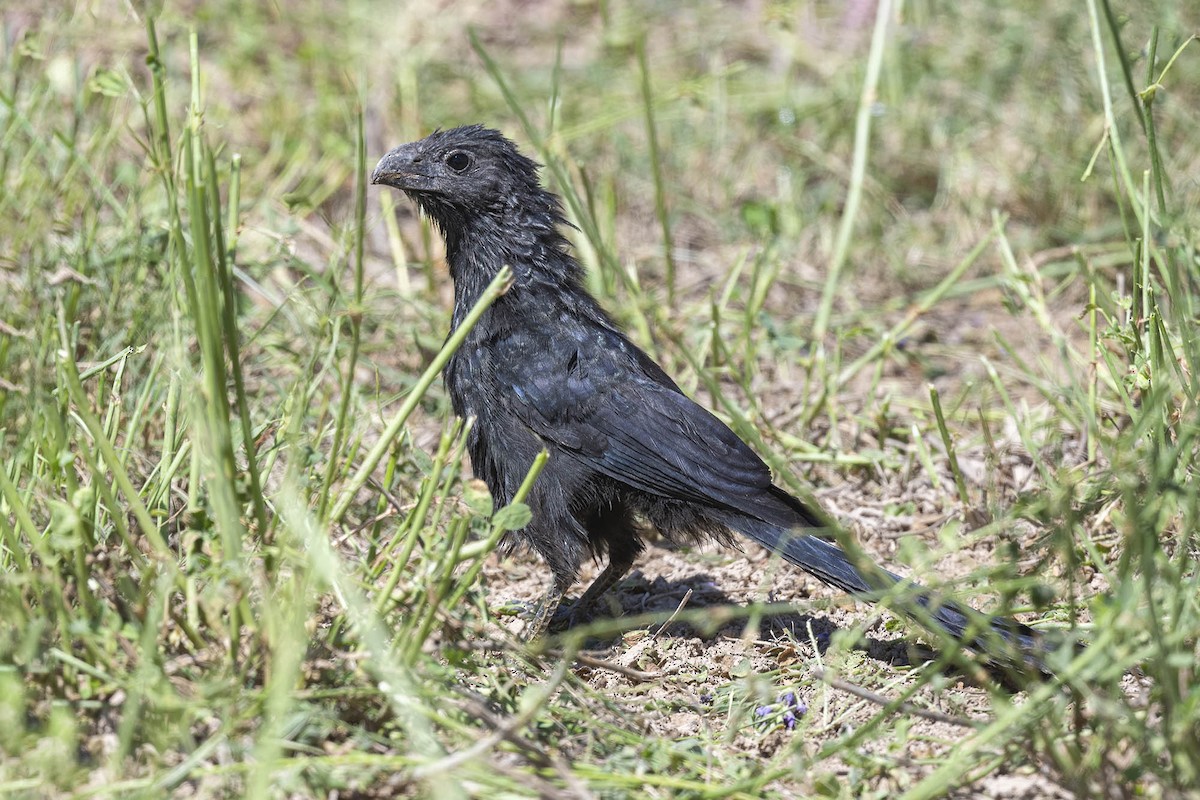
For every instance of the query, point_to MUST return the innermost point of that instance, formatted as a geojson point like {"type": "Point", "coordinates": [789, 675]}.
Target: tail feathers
{"type": "Point", "coordinates": [993, 636]}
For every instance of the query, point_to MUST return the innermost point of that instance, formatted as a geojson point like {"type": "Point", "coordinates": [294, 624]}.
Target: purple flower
{"type": "Point", "coordinates": [793, 709]}
{"type": "Point", "coordinates": [794, 704]}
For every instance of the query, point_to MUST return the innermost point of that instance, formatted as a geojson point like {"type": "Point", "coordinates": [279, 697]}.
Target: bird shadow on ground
{"type": "Point", "coordinates": [650, 606]}
{"type": "Point", "coordinates": [638, 596]}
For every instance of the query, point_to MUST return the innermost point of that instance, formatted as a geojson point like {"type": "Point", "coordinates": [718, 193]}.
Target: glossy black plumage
{"type": "Point", "coordinates": [547, 368]}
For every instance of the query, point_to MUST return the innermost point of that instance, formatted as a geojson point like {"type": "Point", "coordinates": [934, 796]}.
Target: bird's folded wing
{"type": "Point", "coordinates": [645, 434]}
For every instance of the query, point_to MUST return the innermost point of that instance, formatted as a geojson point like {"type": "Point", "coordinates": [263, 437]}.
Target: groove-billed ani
{"type": "Point", "coordinates": [547, 368]}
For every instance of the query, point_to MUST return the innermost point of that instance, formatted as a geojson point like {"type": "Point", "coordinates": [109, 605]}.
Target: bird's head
{"type": "Point", "coordinates": [463, 175]}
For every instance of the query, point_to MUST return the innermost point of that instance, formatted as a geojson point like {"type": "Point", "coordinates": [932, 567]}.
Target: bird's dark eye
{"type": "Point", "coordinates": [458, 161]}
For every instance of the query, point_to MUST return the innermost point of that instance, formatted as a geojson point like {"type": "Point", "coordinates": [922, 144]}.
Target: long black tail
{"type": "Point", "coordinates": [1003, 640]}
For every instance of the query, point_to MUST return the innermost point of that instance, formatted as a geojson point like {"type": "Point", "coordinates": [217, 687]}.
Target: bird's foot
{"type": "Point", "coordinates": [570, 614]}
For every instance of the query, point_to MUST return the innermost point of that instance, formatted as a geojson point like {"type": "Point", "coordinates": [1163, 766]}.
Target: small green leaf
{"type": "Point", "coordinates": [512, 517]}
{"type": "Point", "coordinates": [477, 497]}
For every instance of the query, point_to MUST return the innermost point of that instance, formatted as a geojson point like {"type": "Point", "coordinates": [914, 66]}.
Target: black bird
{"type": "Point", "coordinates": [546, 367]}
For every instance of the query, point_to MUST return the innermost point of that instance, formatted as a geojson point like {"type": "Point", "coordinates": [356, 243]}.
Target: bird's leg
{"type": "Point", "coordinates": [545, 612]}
{"type": "Point", "coordinates": [618, 566]}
